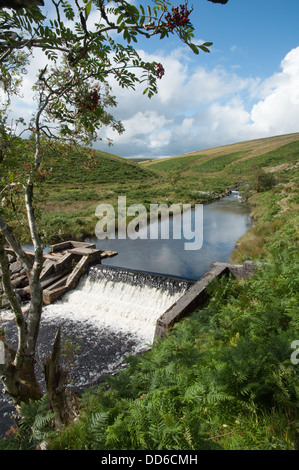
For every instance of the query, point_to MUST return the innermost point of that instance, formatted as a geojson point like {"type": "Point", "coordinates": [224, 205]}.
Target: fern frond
{"type": "Point", "coordinates": [97, 426]}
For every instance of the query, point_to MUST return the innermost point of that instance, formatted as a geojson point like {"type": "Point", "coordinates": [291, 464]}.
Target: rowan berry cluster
{"type": "Point", "coordinates": [90, 102]}
{"type": "Point", "coordinates": [40, 173]}
{"type": "Point", "coordinates": [160, 70]}
{"type": "Point", "coordinates": [178, 18]}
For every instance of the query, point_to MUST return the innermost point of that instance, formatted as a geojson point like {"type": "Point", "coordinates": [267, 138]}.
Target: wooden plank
{"type": "Point", "coordinates": [48, 282]}
{"type": "Point", "coordinates": [60, 246]}
{"type": "Point", "coordinates": [108, 254]}
{"type": "Point", "coordinates": [75, 275]}
{"type": "Point", "coordinates": [59, 283]}
{"type": "Point", "coordinates": [50, 296]}
{"type": "Point", "coordinates": [84, 251]}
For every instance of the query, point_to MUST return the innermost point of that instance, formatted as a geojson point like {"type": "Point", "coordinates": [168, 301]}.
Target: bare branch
{"type": "Point", "coordinates": [15, 245]}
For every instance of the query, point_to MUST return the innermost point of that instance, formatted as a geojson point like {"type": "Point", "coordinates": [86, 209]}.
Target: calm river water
{"type": "Point", "coordinates": [224, 221]}
{"type": "Point", "coordinates": [108, 318]}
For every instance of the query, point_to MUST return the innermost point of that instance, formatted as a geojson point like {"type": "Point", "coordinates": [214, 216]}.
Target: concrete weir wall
{"type": "Point", "coordinates": [197, 295]}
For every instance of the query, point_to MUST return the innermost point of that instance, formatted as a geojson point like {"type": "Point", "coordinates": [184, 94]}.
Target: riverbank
{"type": "Point", "coordinates": [224, 378]}
{"type": "Point", "coordinates": [271, 212]}
{"type": "Point", "coordinates": [215, 381]}
{"type": "Point", "coordinates": [76, 219]}
{"type": "Point", "coordinates": [69, 194]}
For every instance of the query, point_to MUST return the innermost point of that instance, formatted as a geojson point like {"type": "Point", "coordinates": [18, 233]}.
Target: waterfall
{"type": "Point", "coordinates": [120, 300]}
{"type": "Point", "coordinates": [112, 312]}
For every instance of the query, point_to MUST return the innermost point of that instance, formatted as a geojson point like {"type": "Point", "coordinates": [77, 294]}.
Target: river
{"type": "Point", "coordinates": [113, 310]}
{"type": "Point", "coordinates": [224, 221]}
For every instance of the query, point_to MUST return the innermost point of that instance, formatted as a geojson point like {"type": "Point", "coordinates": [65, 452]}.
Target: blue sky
{"type": "Point", "coordinates": [246, 88]}
{"type": "Point", "coordinates": [252, 34]}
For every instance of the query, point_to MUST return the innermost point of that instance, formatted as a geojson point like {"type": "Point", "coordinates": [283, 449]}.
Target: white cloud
{"type": "Point", "coordinates": [198, 108]}
{"type": "Point", "coordinates": [142, 125]}
{"type": "Point", "coordinates": [278, 111]}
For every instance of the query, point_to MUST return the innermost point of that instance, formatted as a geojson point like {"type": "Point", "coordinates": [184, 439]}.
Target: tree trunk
{"type": "Point", "coordinates": [55, 383]}
{"type": "Point", "coordinates": [19, 383]}
{"type": "Point", "coordinates": [17, 373]}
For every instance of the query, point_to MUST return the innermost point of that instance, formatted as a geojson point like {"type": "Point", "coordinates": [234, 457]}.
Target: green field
{"type": "Point", "coordinates": [75, 167]}
{"type": "Point", "coordinates": [223, 378]}
{"type": "Point", "coordinates": [76, 184]}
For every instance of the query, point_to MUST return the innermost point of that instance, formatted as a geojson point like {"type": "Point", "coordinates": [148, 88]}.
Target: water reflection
{"type": "Point", "coordinates": [224, 221]}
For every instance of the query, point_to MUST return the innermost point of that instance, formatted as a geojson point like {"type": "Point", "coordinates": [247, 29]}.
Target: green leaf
{"type": "Point", "coordinates": [195, 48]}
{"type": "Point", "coordinates": [87, 9]}
{"type": "Point", "coordinates": [204, 48]}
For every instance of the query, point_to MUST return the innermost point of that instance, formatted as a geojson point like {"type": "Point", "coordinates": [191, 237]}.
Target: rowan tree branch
{"type": "Point", "coordinates": [15, 305]}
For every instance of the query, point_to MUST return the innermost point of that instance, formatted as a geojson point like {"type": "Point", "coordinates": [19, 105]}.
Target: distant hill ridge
{"type": "Point", "coordinates": [103, 167]}
{"type": "Point", "coordinates": [238, 152]}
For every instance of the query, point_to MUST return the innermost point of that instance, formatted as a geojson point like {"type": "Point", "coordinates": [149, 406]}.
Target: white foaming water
{"type": "Point", "coordinates": [116, 305]}
{"type": "Point", "coordinates": [111, 313]}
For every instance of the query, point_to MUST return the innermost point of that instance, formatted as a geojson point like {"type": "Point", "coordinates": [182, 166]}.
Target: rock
{"type": "Point", "coordinates": [11, 258]}
{"type": "Point", "coordinates": [22, 293]}
{"type": "Point", "coordinates": [15, 275]}
{"type": "Point", "coordinates": [20, 281]}
{"type": "Point", "coordinates": [15, 267]}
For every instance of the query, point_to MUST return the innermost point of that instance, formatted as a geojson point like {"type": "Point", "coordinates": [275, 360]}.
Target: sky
{"type": "Point", "coordinates": [247, 87]}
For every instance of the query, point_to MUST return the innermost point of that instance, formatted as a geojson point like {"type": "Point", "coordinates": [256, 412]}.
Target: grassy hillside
{"type": "Point", "coordinates": [77, 185]}
{"type": "Point", "coordinates": [224, 378]}
{"type": "Point", "coordinates": [100, 167]}
{"type": "Point", "coordinates": [249, 149]}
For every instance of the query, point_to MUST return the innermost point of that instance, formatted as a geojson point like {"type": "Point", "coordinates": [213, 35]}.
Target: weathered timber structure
{"type": "Point", "coordinates": [66, 262]}
{"type": "Point", "coordinates": [63, 266]}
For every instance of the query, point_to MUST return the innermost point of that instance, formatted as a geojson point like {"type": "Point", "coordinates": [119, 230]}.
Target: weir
{"type": "Point", "coordinates": [120, 300]}
{"type": "Point", "coordinates": [108, 312]}
{"type": "Point", "coordinates": [114, 312]}
{"type": "Point", "coordinates": [141, 304]}
{"type": "Point", "coordinates": [137, 278]}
